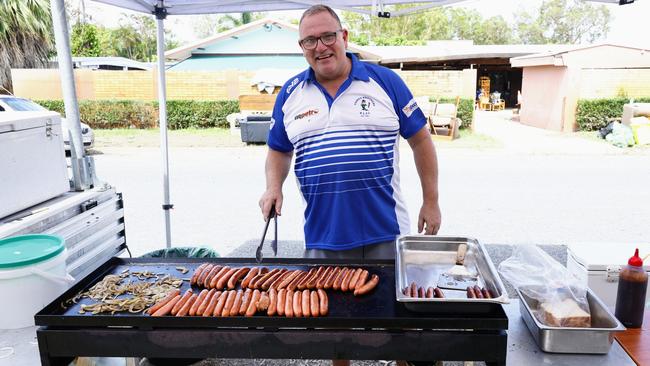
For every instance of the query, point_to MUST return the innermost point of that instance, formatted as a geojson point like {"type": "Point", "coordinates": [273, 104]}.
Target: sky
{"type": "Point", "coordinates": [629, 25]}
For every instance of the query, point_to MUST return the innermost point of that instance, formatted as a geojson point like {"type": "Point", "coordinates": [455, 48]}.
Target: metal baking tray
{"type": "Point", "coordinates": [422, 258]}
{"type": "Point", "coordinates": [597, 339]}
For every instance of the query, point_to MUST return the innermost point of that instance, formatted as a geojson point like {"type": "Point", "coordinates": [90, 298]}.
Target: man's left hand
{"type": "Point", "coordinates": [429, 219]}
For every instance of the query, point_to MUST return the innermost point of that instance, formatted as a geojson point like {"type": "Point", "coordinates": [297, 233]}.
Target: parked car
{"type": "Point", "coordinates": [17, 104]}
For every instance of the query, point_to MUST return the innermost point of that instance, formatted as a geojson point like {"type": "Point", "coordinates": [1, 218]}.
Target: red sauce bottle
{"type": "Point", "coordinates": [630, 298]}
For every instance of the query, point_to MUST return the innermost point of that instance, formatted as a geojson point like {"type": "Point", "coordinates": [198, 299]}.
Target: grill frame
{"type": "Point", "coordinates": [379, 335]}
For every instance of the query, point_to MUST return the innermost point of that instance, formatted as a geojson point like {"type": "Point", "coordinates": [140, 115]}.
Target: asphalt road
{"type": "Point", "coordinates": [499, 195]}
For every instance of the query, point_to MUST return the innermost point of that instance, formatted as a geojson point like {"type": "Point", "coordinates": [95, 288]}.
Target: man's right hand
{"type": "Point", "coordinates": [269, 198]}
{"type": "Point", "coordinates": [276, 169]}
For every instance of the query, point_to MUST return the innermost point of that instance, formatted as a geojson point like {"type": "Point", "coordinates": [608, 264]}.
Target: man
{"type": "Point", "coordinates": [343, 118]}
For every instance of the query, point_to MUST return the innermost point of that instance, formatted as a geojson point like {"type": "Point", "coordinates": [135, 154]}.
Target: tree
{"type": "Point", "coordinates": [25, 36]}
{"type": "Point", "coordinates": [135, 38]}
{"type": "Point", "coordinates": [204, 25]}
{"type": "Point", "coordinates": [563, 21]}
{"type": "Point", "coordinates": [469, 24]}
{"type": "Point", "coordinates": [85, 40]}
{"type": "Point", "coordinates": [228, 21]}
{"type": "Point", "coordinates": [434, 24]}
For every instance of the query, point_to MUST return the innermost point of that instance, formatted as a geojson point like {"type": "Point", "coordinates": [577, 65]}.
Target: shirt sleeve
{"type": "Point", "coordinates": [411, 118]}
{"type": "Point", "coordinates": [278, 139]}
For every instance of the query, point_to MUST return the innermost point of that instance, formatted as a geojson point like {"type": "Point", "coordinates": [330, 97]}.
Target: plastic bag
{"type": "Point", "coordinates": [182, 252]}
{"type": "Point", "coordinates": [621, 135]}
{"type": "Point", "coordinates": [559, 299]}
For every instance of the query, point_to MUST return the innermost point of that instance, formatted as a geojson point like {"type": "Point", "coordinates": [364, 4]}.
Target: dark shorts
{"type": "Point", "coordinates": [384, 250]}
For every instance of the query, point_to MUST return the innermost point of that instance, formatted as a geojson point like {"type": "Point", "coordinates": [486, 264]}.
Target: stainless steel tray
{"type": "Point", "coordinates": [422, 258]}
{"type": "Point", "coordinates": [597, 339]}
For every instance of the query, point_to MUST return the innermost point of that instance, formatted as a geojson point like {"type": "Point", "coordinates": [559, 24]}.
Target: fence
{"type": "Point", "coordinates": [45, 84]}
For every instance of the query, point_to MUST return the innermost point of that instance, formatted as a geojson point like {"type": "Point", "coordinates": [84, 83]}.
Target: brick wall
{"type": "Point", "coordinates": [440, 83]}
{"type": "Point", "coordinates": [608, 83]}
{"type": "Point", "coordinates": [229, 84]}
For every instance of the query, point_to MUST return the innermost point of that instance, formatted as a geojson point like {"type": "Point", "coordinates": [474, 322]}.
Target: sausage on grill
{"type": "Point", "coordinates": [167, 308]}
{"type": "Point", "coordinates": [368, 286]}
{"type": "Point", "coordinates": [306, 303]}
{"type": "Point", "coordinates": [199, 301]}
{"type": "Point", "coordinates": [232, 281]}
{"type": "Point", "coordinates": [214, 299]}
{"type": "Point", "coordinates": [251, 274]}
{"type": "Point", "coordinates": [314, 303]}
{"type": "Point", "coordinates": [172, 294]}
{"type": "Point", "coordinates": [323, 302]}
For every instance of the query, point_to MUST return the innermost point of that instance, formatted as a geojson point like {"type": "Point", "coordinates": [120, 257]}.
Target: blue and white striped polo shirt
{"type": "Point", "coordinates": [346, 153]}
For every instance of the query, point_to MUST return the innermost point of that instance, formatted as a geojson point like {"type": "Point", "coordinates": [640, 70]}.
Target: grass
{"type": "Point", "coordinates": [191, 137]}
{"type": "Point", "coordinates": [221, 137]}
{"type": "Point", "coordinates": [470, 140]}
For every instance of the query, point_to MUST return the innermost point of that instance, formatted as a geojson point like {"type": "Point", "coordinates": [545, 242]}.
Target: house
{"type": "Point", "coordinates": [106, 63]}
{"type": "Point", "coordinates": [267, 42]}
{"type": "Point", "coordinates": [488, 61]}
{"type": "Point", "coordinates": [268, 47]}
{"type": "Point", "coordinates": [553, 82]}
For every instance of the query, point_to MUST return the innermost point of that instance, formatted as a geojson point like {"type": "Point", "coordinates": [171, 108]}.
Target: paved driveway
{"type": "Point", "coordinates": [536, 187]}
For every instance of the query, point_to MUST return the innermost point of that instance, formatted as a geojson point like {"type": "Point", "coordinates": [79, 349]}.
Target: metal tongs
{"type": "Point", "coordinates": [274, 243]}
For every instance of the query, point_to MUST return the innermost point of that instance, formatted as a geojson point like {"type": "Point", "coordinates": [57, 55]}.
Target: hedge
{"type": "Point", "coordinates": [107, 114]}
{"type": "Point", "coordinates": [594, 114]}
{"type": "Point", "coordinates": [465, 110]}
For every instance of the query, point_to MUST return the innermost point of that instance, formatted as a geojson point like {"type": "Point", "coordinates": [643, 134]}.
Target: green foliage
{"type": "Point", "coordinates": [109, 114]}
{"type": "Point", "coordinates": [199, 114]}
{"type": "Point", "coordinates": [469, 24]}
{"type": "Point", "coordinates": [85, 40]}
{"type": "Point", "coordinates": [465, 110]}
{"type": "Point", "coordinates": [53, 105]}
{"type": "Point", "coordinates": [208, 25]}
{"type": "Point", "coordinates": [594, 114]}
{"type": "Point", "coordinates": [134, 38]}
{"type": "Point", "coordinates": [25, 36]}
{"type": "Point", "coordinates": [435, 24]}
{"type": "Point", "coordinates": [555, 21]}
{"type": "Point", "coordinates": [563, 21]}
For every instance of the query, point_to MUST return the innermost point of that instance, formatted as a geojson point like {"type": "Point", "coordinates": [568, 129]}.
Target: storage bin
{"type": "Point", "coordinates": [32, 160]}
{"type": "Point", "coordinates": [32, 274]}
{"type": "Point", "coordinates": [255, 128]}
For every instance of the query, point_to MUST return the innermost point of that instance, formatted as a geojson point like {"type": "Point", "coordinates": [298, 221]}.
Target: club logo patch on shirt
{"type": "Point", "coordinates": [364, 105]}
{"type": "Point", "coordinates": [294, 82]}
{"type": "Point", "coordinates": [410, 107]}
{"type": "Point", "coordinates": [307, 113]}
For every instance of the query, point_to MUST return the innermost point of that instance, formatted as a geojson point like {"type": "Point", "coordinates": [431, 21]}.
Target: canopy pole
{"type": "Point", "coordinates": [161, 14]}
{"type": "Point", "coordinates": [82, 167]}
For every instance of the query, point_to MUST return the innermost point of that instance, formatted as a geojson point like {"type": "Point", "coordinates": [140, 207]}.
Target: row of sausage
{"type": "Point", "coordinates": [214, 276]}
{"type": "Point", "coordinates": [212, 302]}
{"type": "Point", "coordinates": [414, 291]}
{"type": "Point", "coordinates": [473, 292]}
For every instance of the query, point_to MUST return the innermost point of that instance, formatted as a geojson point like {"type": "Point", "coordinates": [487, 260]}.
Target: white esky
{"type": "Point", "coordinates": [629, 24]}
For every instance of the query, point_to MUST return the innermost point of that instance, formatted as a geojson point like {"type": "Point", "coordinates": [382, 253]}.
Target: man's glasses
{"type": "Point", "coordinates": [327, 39]}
